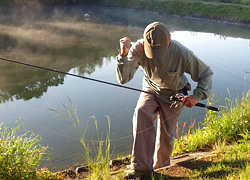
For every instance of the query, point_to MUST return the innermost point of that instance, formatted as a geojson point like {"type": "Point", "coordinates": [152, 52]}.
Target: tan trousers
{"type": "Point", "coordinates": [153, 148]}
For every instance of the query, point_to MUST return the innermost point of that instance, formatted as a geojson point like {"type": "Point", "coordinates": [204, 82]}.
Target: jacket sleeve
{"type": "Point", "coordinates": [126, 66]}
{"type": "Point", "coordinates": [202, 74]}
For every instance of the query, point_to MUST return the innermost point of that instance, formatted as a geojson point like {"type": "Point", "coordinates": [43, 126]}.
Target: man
{"type": "Point", "coordinates": [164, 62]}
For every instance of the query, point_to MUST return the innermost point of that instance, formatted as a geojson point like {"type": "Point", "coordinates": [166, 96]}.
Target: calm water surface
{"type": "Point", "coordinates": [63, 39]}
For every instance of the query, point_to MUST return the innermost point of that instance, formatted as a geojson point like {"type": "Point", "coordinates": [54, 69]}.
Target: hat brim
{"type": "Point", "coordinates": [155, 53]}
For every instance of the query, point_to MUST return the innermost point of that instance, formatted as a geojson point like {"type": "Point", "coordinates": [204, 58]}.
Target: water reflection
{"type": "Point", "coordinates": [56, 45]}
{"type": "Point", "coordinates": [62, 39]}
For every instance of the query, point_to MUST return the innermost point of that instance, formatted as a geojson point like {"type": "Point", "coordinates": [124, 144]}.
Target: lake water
{"type": "Point", "coordinates": [67, 40]}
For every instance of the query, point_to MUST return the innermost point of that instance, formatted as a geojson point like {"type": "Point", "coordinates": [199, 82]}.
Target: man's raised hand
{"type": "Point", "coordinates": [124, 46]}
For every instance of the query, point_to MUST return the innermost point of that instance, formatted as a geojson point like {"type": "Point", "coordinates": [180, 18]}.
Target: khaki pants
{"type": "Point", "coordinates": [152, 148]}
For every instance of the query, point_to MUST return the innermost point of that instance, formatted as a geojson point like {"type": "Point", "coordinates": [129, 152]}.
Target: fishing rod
{"type": "Point", "coordinates": [175, 98]}
{"type": "Point", "coordinates": [70, 74]}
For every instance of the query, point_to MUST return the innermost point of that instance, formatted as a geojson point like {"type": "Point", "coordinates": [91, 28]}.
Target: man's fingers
{"type": "Point", "coordinates": [185, 102]}
{"type": "Point", "coordinates": [125, 45]}
{"type": "Point", "coordinates": [125, 41]}
{"type": "Point", "coordinates": [189, 101]}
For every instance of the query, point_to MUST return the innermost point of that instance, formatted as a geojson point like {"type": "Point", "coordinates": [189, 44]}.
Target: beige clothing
{"type": "Point", "coordinates": [152, 148]}
{"type": "Point", "coordinates": [166, 76]}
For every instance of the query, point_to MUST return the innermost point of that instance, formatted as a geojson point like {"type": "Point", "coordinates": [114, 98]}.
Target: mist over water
{"type": "Point", "coordinates": [84, 40]}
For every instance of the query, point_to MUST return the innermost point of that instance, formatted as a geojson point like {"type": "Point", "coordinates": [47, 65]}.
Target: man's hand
{"type": "Point", "coordinates": [124, 46]}
{"type": "Point", "coordinates": [189, 101]}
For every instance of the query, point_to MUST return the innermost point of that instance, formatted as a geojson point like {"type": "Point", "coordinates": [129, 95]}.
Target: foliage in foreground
{"type": "Point", "coordinates": [20, 153]}
{"type": "Point", "coordinates": [231, 125]}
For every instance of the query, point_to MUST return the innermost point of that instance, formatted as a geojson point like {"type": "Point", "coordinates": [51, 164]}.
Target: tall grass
{"type": "Point", "coordinates": [97, 153]}
{"type": "Point", "coordinates": [20, 153]}
{"type": "Point", "coordinates": [227, 135]}
{"type": "Point", "coordinates": [231, 125]}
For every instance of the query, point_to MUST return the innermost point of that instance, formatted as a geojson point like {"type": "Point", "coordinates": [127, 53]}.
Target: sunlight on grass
{"type": "Point", "coordinates": [230, 124]}
{"type": "Point", "coordinates": [20, 153]}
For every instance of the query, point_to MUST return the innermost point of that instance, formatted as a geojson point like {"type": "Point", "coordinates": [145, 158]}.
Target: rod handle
{"type": "Point", "coordinates": [208, 107]}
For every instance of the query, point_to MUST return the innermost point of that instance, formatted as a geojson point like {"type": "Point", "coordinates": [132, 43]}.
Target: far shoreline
{"type": "Point", "coordinates": [209, 18]}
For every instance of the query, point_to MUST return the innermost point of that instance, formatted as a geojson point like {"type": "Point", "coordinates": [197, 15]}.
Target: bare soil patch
{"type": "Point", "coordinates": [180, 167]}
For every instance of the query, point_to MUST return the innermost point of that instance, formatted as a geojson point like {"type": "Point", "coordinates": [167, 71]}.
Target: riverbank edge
{"type": "Point", "coordinates": [235, 14]}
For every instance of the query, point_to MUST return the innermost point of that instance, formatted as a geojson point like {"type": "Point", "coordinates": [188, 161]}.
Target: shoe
{"type": "Point", "coordinates": [134, 174]}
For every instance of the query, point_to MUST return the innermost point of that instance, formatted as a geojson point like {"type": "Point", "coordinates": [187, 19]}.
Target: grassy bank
{"type": "Point", "coordinates": [231, 125]}
{"type": "Point", "coordinates": [202, 9]}
{"type": "Point", "coordinates": [225, 134]}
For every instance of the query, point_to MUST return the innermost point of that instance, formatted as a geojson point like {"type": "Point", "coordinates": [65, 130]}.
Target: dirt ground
{"type": "Point", "coordinates": [179, 169]}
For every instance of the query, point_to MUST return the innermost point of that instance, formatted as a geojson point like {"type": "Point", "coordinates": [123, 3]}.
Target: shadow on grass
{"type": "Point", "coordinates": [159, 176]}
{"type": "Point", "coordinates": [210, 169]}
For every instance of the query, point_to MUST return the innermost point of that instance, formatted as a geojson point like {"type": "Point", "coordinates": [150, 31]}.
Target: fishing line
{"type": "Point", "coordinates": [74, 152]}
{"type": "Point", "coordinates": [48, 129]}
{"type": "Point", "coordinates": [128, 136]}
{"type": "Point", "coordinates": [112, 140]}
{"type": "Point", "coordinates": [117, 139]}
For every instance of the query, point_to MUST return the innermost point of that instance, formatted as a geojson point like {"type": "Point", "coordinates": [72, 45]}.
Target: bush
{"type": "Point", "coordinates": [20, 153]}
